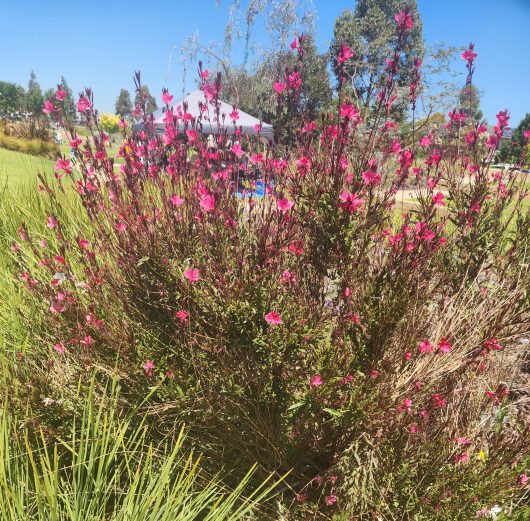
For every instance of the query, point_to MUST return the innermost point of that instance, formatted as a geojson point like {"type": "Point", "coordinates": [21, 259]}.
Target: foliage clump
{"type": "Point", "coordinates": [359, 325]}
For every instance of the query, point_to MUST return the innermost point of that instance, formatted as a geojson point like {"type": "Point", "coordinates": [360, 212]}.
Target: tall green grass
{"type": "Point", "coordinates": [33, 147]}
{"type": "Point", "coordinates": [107, 469]}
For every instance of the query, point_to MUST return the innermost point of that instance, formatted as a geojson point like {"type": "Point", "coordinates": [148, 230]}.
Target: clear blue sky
{"type": "Point", "coordinates": [100, 43]}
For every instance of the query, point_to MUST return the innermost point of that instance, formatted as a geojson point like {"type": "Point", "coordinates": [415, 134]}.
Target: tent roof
{"type": "Point", "coordinates": [194, 101]}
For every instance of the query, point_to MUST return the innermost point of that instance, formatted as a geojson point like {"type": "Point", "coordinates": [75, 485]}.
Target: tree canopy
{"type": "Point", "coordinates": [370, 32]}
{"type": "Point", "coordinates": [124, 104]}
{"type": "Point", "coordinates": [12, 98]}
{"type": "Point", "coordinates": [517, 147]}
{"type": "Point", "coordinates": [69, 103]}
{"type": "Point", "coordinates": [151, 105]}
{"type": "Point", "coordinates": [254, 93]}
{"type": "Point", "coordinates": [470, 102]}
{"type": "Point", "coordinates": [34, 96]}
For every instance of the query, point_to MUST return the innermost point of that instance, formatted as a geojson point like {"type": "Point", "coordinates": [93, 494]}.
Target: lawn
{"type": "Point", "coordinates": [18, 169]}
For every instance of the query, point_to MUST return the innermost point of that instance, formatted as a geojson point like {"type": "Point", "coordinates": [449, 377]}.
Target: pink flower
{"type": "Point", "coordinates": [439, 400]}
{"type": "Point", "coordinates": [234, 115]}
{"type": "Point", "coordinates": [279, 87]}
{"type": "Point", "coordinates": [428, 235]}
{"type": "Point", "coordinates": [469, 55]}
{"type": "Point", "coordinates": [462, 440]}
{"type": "Point", "coordinates": [523, 479]}
{"type": "Point", "coordinates": [60, 94]}
{"type": "Point", "coordinates": [330, 500]}
{"type": "Point", "coordinates": [192, 135]}
{"type": "Point", "coordinates": [148, 367]}
{"type": "Point", "coordinates": [63, 164]}
{"type": "Point", "coordinates": [207, 202]}
{"type": "Point", "coordinates": [438, 199]}
{"type": "Point", "coordinates": [350, 202]}
{"type": "Point", "coordinates": [426, 347]}
{"type": "Point", "coordinates": [432, 183]}
{"type": "Point", "coordinates": [316, 381]}
{"type": "Point", "coordinates": [167, 98]}
{"type": "Point", "coordinates": [404, 20]}
{"type": "Point", "coordinates": [192, 274]}
{"type": "Point", "coordinates": [83, 244]}
{"type": "Point", "coordinates": [287, 277]}
{"type": "Point", "coordinates": [294, 80]}
{"type": "Point", "coordinates": [345, 54]}
{"type": "Point", "coordinates": [444, 346]}
{"type": "Point", "coordinates": [182, 315]}
{"type": "Point", "coordinates": [371, 177]}
{"type": "Point", "coordinates": [49, 107]}
{"type": "Point", "coordinates": [492, 141]}
{"type": "Point", "coordinates": [491, 395]}
{"type": "Point", "coordinates": [87, 341]}
{"type": "Point", "coordinates": [52, 223]}
{"type": "Point", "coordinates": [462, 458]}
{"type": "Point", "coordinates": [59, 348]}
{"type": "Point", "coordinates": [457, 117]}
{"type": "Point", "coordinates": [284, 205]}
{"type": "Point", "coordinates": [527, 134]}
{"type": "Point", "coordinates": [83, 104]}
{"type": "Point", "coordinates": [204, 74]}
{"type": "Point", "coordinates": [273, 319]}
{"type": "Point", "coordinates": [425, 141]}
{"type": "Point", "coordinates": [503, 118]}
{"type": "Point", "coordinates": [237, 150]}
{"type": "Point", "coordinates": [294, 43]}
{"type": "Point", "coordinates": [175, 200]}
{"type": "Point", "coordinates": [348, 111]}
{"type": "Point", "coordinates": [407, 404]}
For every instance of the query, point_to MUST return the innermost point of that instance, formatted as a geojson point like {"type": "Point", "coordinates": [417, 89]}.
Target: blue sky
{"type": "Point", "coordinates": [100, 43]}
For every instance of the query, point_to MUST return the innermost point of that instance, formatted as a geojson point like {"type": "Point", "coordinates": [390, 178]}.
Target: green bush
{"type": "Point", "coordinates": [34, 147]}
{"type": "Point", "coordinates": [327, 329]}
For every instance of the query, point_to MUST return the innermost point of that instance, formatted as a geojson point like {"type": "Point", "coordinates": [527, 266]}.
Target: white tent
{"type": "Point", "coordinates": [206, 119]}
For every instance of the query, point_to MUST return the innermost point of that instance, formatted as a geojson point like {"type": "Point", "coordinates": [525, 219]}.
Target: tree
{"type": "Point", "coordinates": [34, 96]}
{"type": "Point", "coordinates": [281, 20]}
{"type": "Point", "coordinates": [124, 104]}
{"type": "Point", "coordinates": [150, 100]}
{"type": "Point", "coordinates": [12, 99]}
{"type": "Point", "coordinates": [470, 102]}
{"type": "Point", "coordinates": [516, 149]}
{"type": "Point", "coordinates": [49, 93]}
{"type": "Point", "coordinates": [68, 102]}
{"type": "Point", "coordinates": [253, 92]}
{"type": "Point", "coordinates": [316, 88]}
{"type": "Point", "coordinates": [370, 32]}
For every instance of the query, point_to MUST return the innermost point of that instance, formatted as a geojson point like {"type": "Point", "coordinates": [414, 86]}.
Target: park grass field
{"type": "Point", "coordinates": [18, 169]}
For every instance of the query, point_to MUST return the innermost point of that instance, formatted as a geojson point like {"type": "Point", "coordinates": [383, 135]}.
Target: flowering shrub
{"type": "Point", "coordinates": [331, 328]}
{"type": "Point", "coordinates": [109, 123]}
